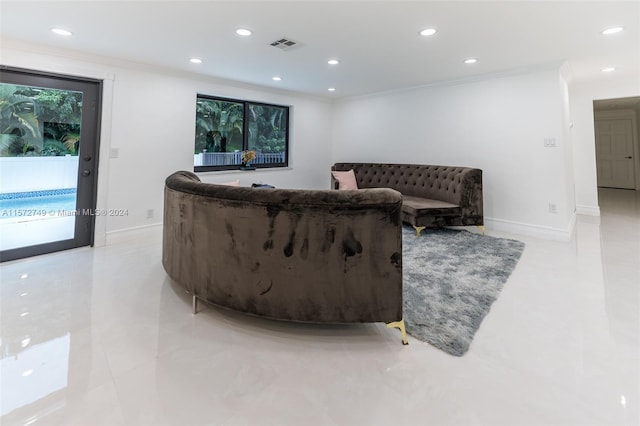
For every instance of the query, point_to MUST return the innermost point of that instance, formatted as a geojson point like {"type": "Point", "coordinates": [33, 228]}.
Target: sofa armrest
{"type": "Point", "coordinates": [334, 183]}
{"type": "Point", "coordinates": [471, 202]}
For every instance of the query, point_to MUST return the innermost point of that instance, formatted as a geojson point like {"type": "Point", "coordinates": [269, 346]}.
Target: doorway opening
{"type": "Point", "coordinates": [617, 143]}
{"type": "Point", "coordinates": [49, 138]}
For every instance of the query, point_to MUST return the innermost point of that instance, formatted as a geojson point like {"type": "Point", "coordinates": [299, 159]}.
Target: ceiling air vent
{"type": "Point", "coordinates": [284, 43]}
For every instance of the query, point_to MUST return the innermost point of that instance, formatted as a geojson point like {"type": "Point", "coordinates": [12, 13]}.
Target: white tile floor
{"type": "Point", "coordinates": [101, 336]}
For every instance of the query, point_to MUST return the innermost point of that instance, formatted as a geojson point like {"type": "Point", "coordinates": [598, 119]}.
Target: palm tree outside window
{"type": "Point", "coordinates": [227, 127]}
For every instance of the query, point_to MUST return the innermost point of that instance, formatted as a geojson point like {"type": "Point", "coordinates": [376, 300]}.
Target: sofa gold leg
{"type": "Point", "coordinates": [418, 229]}
{"type": "Point", "coordinates": [194, 305]}
{"type": "Point", "coordinates": [481, 227]}
{"type": "Point", "coordinates": [403, 331]}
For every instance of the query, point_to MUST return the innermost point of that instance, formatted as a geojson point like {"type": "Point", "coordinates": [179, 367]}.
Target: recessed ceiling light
{"type": "Point", "coordinates": [276, 78]}
{"type": "Point", "coordinates": [612, 30]}
{"type": "Point", "coordinates": [608, 69]}
{"type": "Point", "coordinates": [331, 89]}
{"type": "Point", "coordinates": [470, 61]}
{"type": "Point", "coordinates": [196, 60]}
{"type": "Point", "coordinates": [243, 32]}
{"type": "Point", "coordinates": [62, 32]}
{"type": "Point", "coordinates": [428, 32]}
{"type": "Point", "coordinates": [333, 62]}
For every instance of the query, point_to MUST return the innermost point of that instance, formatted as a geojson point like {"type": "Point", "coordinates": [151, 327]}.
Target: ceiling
{"type": "Point", "coordinates": [377, 42]}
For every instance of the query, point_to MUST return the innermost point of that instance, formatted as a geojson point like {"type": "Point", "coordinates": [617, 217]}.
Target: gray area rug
{"type": "Point", "coordinates": [450, 279]}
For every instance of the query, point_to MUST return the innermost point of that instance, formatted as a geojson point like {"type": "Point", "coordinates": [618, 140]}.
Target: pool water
{"type": "Point", "coordinates": [37, 204]}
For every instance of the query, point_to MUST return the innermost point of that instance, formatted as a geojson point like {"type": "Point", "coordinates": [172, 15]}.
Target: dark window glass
{"type": "Point", "coordinates": [268, 131]}
{"type": "Point", "coordinates": [225, 128]}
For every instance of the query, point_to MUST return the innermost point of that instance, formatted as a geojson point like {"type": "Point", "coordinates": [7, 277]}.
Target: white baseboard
{"type": "Point", "coordinates": [128, 234]}
{"type": "Point", "coordinates": [99, 239]}
{"type": "Point", "coordinates": [537, 231]}
{"type": "Point", "coordinates": [588, 210]}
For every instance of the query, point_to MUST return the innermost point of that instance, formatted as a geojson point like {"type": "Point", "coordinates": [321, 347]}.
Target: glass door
{"type": "Point", "coordinates": [49, 126]}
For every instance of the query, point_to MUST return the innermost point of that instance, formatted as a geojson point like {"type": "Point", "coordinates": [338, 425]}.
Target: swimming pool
{"type": "Point", "coordinates": [37, 204]}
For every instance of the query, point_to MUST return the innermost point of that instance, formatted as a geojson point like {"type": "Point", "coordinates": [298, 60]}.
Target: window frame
{"type": "Point", "coordinates": [245, 133]}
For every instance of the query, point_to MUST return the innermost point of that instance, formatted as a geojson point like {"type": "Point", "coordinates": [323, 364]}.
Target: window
{"type": "Point", "coordinates": [227, 127]}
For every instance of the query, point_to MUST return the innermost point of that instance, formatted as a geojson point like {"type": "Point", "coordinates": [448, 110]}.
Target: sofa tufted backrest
{"type": "Point", "coordinates": [438, 182]}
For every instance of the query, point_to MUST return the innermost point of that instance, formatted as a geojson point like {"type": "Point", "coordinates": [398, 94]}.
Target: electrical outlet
{"type": "Point", "coordinates": [553, 208]}
{"type": "Point", "coordinates": [150, 214]}
{"type": "Point", "coordinates": [114, 153]}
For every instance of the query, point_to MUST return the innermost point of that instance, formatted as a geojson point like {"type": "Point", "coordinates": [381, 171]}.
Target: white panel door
{"type": "Point", "coordinates": [614, 154]}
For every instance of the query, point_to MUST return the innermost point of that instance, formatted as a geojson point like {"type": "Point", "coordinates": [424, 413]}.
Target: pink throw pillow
{"type": "Point", "coordinates": [232, 183]}
{"type": "Point", "coordinates": [346, 180]}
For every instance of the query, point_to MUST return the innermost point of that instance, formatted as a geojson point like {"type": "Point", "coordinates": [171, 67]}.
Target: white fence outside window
{"type": "Point", "coordinates": [235, 158]}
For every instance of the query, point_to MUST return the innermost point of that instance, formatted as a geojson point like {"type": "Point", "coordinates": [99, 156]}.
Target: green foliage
{"type": "Point", "coordinates": [219, 125]}
{"type": "Point", "coordinates": [31, 117]}
{"type": "Point", "coordinates": [72, 142]}
{"type": "Point", "coordinates": [52, 147]}
{"type": "Point", "coordinates": [267, 128]}
{"type": "Point", "coordinates": [58, 106]}
{"type": "Point", "coordinates": [67, 134]}
{"type": "Point", "coordinates": [18, 120]}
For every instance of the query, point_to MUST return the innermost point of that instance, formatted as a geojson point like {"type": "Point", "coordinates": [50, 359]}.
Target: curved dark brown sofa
{"type": "Point", "coordinates": [300, 255]}
{"type": "Point", "coordinates": [433, 196]}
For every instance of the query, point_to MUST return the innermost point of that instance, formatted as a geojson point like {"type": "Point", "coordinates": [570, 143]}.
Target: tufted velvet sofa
{"type": "Point", "coordinates": [299, 255]}
{"type": "Point", "coordinates": [432, 196]}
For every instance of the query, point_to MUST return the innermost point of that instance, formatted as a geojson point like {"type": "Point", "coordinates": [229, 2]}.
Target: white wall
{"type": "Point", "coordinates": [497, 124]}
{"type": "Point", "coordinates": [25, 174]}
{"type": "Point", "coordinates": [567, 147]}
{"type": "Point", "coordinates": [584, 151]}
{"type": "Point", "coordinates": [149, 116]}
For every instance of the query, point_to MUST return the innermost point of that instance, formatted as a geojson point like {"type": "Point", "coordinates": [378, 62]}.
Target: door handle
{"type": "Point", "coordinates": [629, 157]}
{"type": "Point", "coordinates": [86, 173]}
